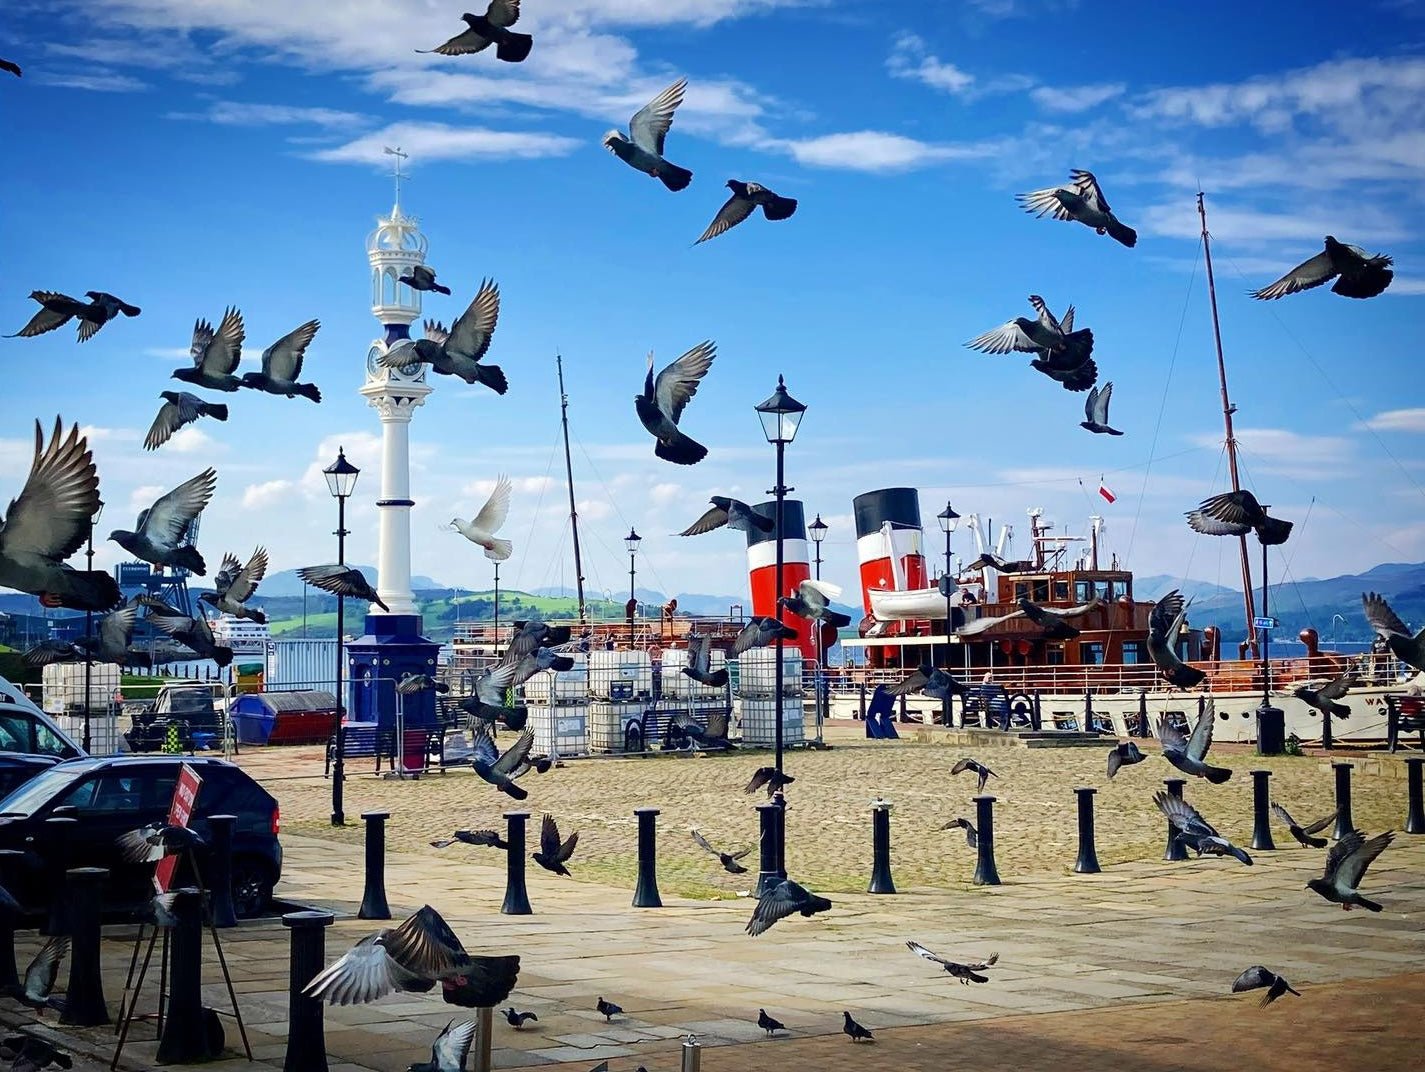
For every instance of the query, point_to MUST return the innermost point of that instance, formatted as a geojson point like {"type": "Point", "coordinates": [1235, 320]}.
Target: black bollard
{"type": "Point", "coordinates": [1262, 811]}
{"type": "Point", "coordinates": [986, 874]}
{"type": "Point", "coordinates": [862, 715]}
{"type": "Point", "coordinates": [767, 877]}
{"type": "Point", "coordinates": [373, 901]}
{"type": "Point", "coordinates": [1415, 811]}
{"type": "Point", "coordinates": [1140, 728]}
{"type": "Point", "coordinates": [59, 832]}
{"type": "Point", "coordinates": [901, 715]}
{"type": "Point", "coordinates": [306, 1035]}
{"type": "Point", "coordinates": [84, 997]}
{"type": "Point", "coordinates": [1175, 850]}
{"type": "Point", "coordinates": [1036, 717]}
{"type": "Point", "coordinates": [219, 871]}
{"type": "Point", "coordinates": [1328, 741]}
{"type": "Point", "coordinates": [645, 894]}
{"type": "Point", "coordinates": [1344, 823]}
{"type": "Point", "coordinates": [8, 975]}
{"type": "Point", "coordinates": [184, 1038]}
{"type": "Point", "coordinates": [881, 881]}
{"type": "Point", "coordinates": [1087, 863]}
{"type": "Point", "coordinates": [516, 895]}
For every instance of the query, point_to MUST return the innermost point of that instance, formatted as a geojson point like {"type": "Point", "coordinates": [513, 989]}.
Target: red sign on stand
{"type": "Point", "coordinates": [185, 797]}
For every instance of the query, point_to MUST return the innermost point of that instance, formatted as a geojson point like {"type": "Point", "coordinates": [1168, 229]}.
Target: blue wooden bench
{"type": "Point", "coordinates": [366, 739]}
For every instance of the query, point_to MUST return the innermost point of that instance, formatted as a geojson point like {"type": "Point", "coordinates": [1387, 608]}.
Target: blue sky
{"type": "Point", "coordinates": [191, 154]}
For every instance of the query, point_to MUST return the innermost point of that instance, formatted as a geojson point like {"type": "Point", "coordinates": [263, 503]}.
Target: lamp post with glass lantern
{"type": "Point", "coordinates": [89, 630]}
{"type": "Point", "coordinates": [948, 519]}
{"type": "Point", "coordinates": [631, 541]}
{"type": "Point", "coordinates": [341, 482]}
{"type": "Point", "coordinates": [817, 531]}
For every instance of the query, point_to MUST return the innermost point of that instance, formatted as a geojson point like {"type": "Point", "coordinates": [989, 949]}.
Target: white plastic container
{"type": "Point", "coordinates": [759, 722]}
{"type": "Point", "coordinates": [678, 685]}
{"type": "Point", "coordinates": [620, 675]}
{"type": "Point", "coordinates": [757, 672]}
{"type": "Point", "coordinates": [607, 722]}
{"type": "Point", "coordinates": [561, 686]}
{"type": "Point", "coordinates": [560, 730]}
{"type": "Point", "coordinates": [63, 687]}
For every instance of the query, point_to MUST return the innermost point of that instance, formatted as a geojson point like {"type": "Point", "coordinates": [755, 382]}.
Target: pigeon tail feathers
{"type": "Point", "coordinates": [516, 791]}
{"type": "Point", "coordinates": [188, 558]}
{"type": "Point", "coordinates": [682, 450]}
{"type": "Point", "coordinates": [512, 48]}
{"type": "Point", "coordinates": [674, 177]}
{"type": "Point", "coordinates": [309, 390]}
{"type": "Point", "coordinates": [218, 411]}
{"type": "Point", "coordinates": [499, 550]}
{"type": "Point", "coordinates": [1121, 233]}
{"type": "Point", "coordinates": [1216, 775]}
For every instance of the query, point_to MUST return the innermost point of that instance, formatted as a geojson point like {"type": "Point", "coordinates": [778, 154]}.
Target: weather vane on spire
{"type": "Point", "coordinates": [400, 157]}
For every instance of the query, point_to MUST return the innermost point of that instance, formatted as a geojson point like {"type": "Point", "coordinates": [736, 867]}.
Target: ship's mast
{"type": "Point", "coordinates": [1227, 410]}
{"type": "Point", "coordinates": [569, 477]}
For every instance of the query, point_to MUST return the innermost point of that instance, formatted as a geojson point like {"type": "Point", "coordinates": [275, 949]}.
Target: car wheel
{"type": "Point", "coordinates": [252, 887]}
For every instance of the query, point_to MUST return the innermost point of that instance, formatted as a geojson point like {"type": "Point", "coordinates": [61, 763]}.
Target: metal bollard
{"type": "Point", "coordinates": [1415, 812]}
{"type": "Point", "coordinates": [184, 1038]}
{"type": "Point", "coordinates": [306, 1035]}
{"type": "Point", "coordinates": [692, 1055]}
{"type": "Point", "coordinates": [1036, 717]}
{"type": "Point", "coordinates": [1140, 728]}
{"type": "Point", "coordinates": [1262, 811]}
{"type": "Point", "coordinates": [1344, 823]}
{"type": "Point", "coordinates": [1088, 711]}
{"type": "Point", "coordinates": [767, 877]}
{"type": "Point", "coordinates": [516, 895]}
{"type": "Point", "coordinates": [59, 831]}
{"type": "Point", "coordinates": [220, 870]}
{"type": "Point", "coordinates": [1175, 850]}
{"type": "Point", "coordinates": [986, 874]}
{"type": "Point", "coordinates": [862, 702]}
{"type": "Point", "coordinates": [881, 848]}
{"type": "Point", "coordinates": [484, 1039]}
{"type": "Point", "coordinates": [84, 1004]}
{"type": "Point", "coordinates": [373, 901]}
{"type": "Point", "coordinates": [1087, 863]}
{"type": "Point", "coordinates": [8, 975]}
{"type": "Point", "coordinates": [645, 894]}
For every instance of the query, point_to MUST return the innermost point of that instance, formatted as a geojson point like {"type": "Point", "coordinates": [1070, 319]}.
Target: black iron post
{"type": "Point", "coordinates": [986, 874]}
{"type": "Point", "coordinates": [781, 494]}
{"type": "Point", "coordinates": [306, 1033]}
{"type": "Point", "coordinates": [184, 1038]}
{"type": "Point", "coordinates": [861, 692]}
{"type": "Point", "coordinates": [1088, 704]}
{"type": "Point", "coordinates": [84, 997]}
{"type": "Point", "coordinates": [767, 876]}
{"type": "Point", "coordinates": [1415, 810]}
{"type": "Point", "coordinates": [1087, 863]}
{"type": "Point", "coordinates": [1262, 811]}
{"type": "Point", "coordinates": [8, 975]}
{"type": "Point", "coordinates": [220, 870]}
{"type": "Point", "coordinates": [339, 765]}
{"type": "Point", "coordinates": [1344, 823]}
{"type": "Point", "coordinates": [516, 895]}
{"type": "Point", "coordinates": [949, 611]}
{"type": "Point", "coordinates": [373, 901]}
{"type": "Point", "coordinates": [881, 881]}
{"type": "Point", "coordinates": [645, 894]}
{"type": "Point", "coordinates": [60, 832]}
{"type": "Point", "coordinates": [1175, 850]}
{"type": "Point", "coordinates": [817, 531]}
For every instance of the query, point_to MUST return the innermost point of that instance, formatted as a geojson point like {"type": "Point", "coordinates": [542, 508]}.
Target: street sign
{"type": "Point", "coordinates": [1264, 623]}
{"type": "Point", "coordinates": [185, 794]}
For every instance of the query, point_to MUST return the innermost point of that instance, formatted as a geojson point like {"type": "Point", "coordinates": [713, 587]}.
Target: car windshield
{"type": "Point", "coordinates": [186, 701]}
{"type": "Point", "coordinates": [21, 732]}
{"type": "Point", "coordinates": [34, 794]}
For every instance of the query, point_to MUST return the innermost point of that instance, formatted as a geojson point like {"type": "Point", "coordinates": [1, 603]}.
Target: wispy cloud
{"type": "Point", "coordinates": [878, 151]}
{"type": "Point", "coordinates": [245, 114]}
{"type": "Point", "coordinates": [911, 58]}
{"type": "Point", "coordinates": [1397, 420]}
{"type": "Point", "coordinates": [1076, 98]}
{"type": "Point", "coordinates": [168, 353]}
{"type": "Point", "coordinates": [268, 493]}
{"type": "Point", "coordinates": [1406, 287]}
{"type": "Point", "coordinates": [95, 81]}
{"type": "Point", "coordinates": [441, 141]}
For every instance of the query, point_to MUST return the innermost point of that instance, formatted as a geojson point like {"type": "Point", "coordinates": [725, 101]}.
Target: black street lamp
{"type": "Point", "coordinates": [948, 519]}
{"type": "Point", "coordinates": [89, 630]}
{"type": "Point", "coordinates": [631, 541]}
{"type": "Point", "coordinates": [341, 481]}
{"type": "Point", "coordinates": [817, 531]}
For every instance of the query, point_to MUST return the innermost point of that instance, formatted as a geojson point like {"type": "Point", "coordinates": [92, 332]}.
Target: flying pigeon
{"type": "Point", "coordinates": [972, 836]}
{"type": "Point", "coordinates": [36, 989]}
{"type": "Point", "coordinates": [457, 352]}
{"type": "Point", "coordinates": [931, 681]}
{"type": "Point", "coordinates": [1054, 620]}
{"type": "Point", "coordinates": [488, 838]}
{"type": "Point", "coordinates": [482, 31]}
{"type": "Point", "coordinates": [734, 513]}
{"type": "Point", "coordinates": [1346, 865]}
{"type": "Point", "coordinates": [491, 688]}
{"type": "Point", "coordinates": [452, 1047]}
{"type": "Point", "coordinates": [153, 842]}
{"type": "Point", "coordinates": [770, 777]}
{"type": "Point", "coordinates": [179, 408]}
{"type": "Point", "coordinates": [517, 1019]}
{"type": "Point", "coordinates": [1194, 831]}
{"type": "Point", "coordinates": [423, 278]}
{"type": "Point", "coordinates": [1324, 699]}
{"type": "Point", "coordinates": [1164, 624]}
{"type": "Point", "coordinates": [11, 66]}
{"type": "Point", "coordinates": [1123, 754]}
{"type": "Point", "coordinates": [282, 365]}
{"type": "Point", "coordinates": [1235, 513]}
{"type": "Point", "coordinates": [31, 1054]}
{"type": "Point", "coordinates": [411, 684]}
{"type": "Point", "coordinates": [1256, 977]}
{"type": "Point", "coordinates": [966, 973]}
{"type": "Point", "coordinates": [502, 769]}
{"type": "Point", "coordinates": [235, 584]}
{"type": "Point", "coordinates": [854, 1030]}
{"type": "Point", "coordinates": [412, 958]}
{"type": "Point", "coordinates": [1188, 754]}
{"type": "Point", "coordinates": [607, 1009]}
{"type": "Point", "coordinates": [642, 150]}
{"type": "Point", "coordinates": [727, 859]}
{"type": "Point", "coordinates": [974, 767]}
{"type": "Point", "coordinates": [109, 645]}
{"type": "Point", "coordinates": [699, 666]}
{"type": "Point", "coordinates": [768, 1024]}
{"type": "Point", "coordinates": [1096, 411]}
{"type": "Point", "coordinates": [759, 632]}
{"type": "Point", "coordinates": [663, 400]}
{"type": "Point", "coordinates": [532, 635]}
{"type": "Point", "coordinates": [989, 560]}
{"type": "Point", "coordinates": [1388, 626]}
{"type": "Point", "coordinates": [482, 527]}
{"type": "Point", "coordinates": [783, 899]}
{"type": "Point", "coordinates": [701, 738]}
{"type": "Point", "coordinates": [160, 529]}
{"type": "Point", "coordinates": [1302, 834]}
{"type": "Point", "coordinates": [215, 354]}
{"type": "Point", "coordinates": [812, 601]}
{"type": "Point", "coordinates": [342, 581]}
{"type": "Point", "coordinates": [49, 521]}
{"type": "Point", "coordinates": [553, 854]}
{"type": "Point", "coordinates": [1082, 201]}
{"type": "Point", "coordinates": [1059, 349]}
{"type": "Point", "coordinates": [1362, 275]}
{"type": "Point", "coordinates": [746, 196]}
{"type": "Point", "coordinates": [102, 308]}
{"type": "Point", "coordinates": [192, 631]}
{"type": "Point", "coordinates": [55, 311]}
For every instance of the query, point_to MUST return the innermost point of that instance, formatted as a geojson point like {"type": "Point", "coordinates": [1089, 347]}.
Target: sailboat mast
{"type": "Point", "coordinates": [569, 477]}
{"type": "Point", "coordinates": [1227, 410]}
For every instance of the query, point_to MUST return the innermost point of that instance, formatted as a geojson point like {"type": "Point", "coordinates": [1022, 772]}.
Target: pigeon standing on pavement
{"type": "Point", "coordinates": [1236, 513]}
{"type": "Point", "coordinates": [1302, 834]}
{"type": "Point", "coordinates": [1362, 274]}
{"type": "Point", "coordinates": [607, 1009]}
{"type": "Point", "coordinates": [1324, 699]}
{"type": "Point", "coordinates": [966, 973]}
{"type": "Point", "coordinates": [699, 666]}
{"type": "Point", "coordinates": [1346, 865]}
{"type": "Point", "coordinates": [760, 632]}
{"type": "Point", "coordinates": [784, 899]}
{"type": "Point", "coordinates": [663, 400]}
{"type": "Point", "coordinates": [642, 149]}
{"type": "Point", "coordinates": [50, 520]}
{"type": "Point", "coordinates": [1408, 648]}
{"type": "Point", "coordinates": [768, 1024]}
{"type": "Point", "coordinates": [553, 854]}
{"type": "Point", "coordinates": [158, 536]}
{"type": "Point", "coordinates": [1165, 622]}
{"type": "Point", "coordinates": [235, 584]}
{"type": "Point", "coordinates": [179, 409]}
{"type": "Point", "coordinates": [35, 989]}
{"type": "Point", "coordinates": [746, 196]}
{"type": "Point", "coordinates": [977, 768]}
{"type": "Point", "coordinates": [457, 352]}
{"type": "Point", "coordinates": [481, 528]}
{"type": "Point", "coordinates": [854, 1030]}
{"type": "Point", "coordinates": [342, 581]}
{"type": "Point", "coordinates": [452, 1047]}
{"type": "Point", "coordinates": [423, 278]}
{"type": "Point", "coordinates": [282, 365]}
{"type": "Point", "coordinates": [190, 630]}
{"type": "Point", "coordinates": [931, 681]}
{"type": "Point", "coordinates": [215, 354]}
{"type": "Point", "coordinates": [727, 859]}
{"type": "Point", "coordinates": [491, 28]}
{"type": "Point", "coordinates": [774, 780]}
{"type": "Point", "coordinates": [55, 311]}
{"type": "Point", "coordinates": [1194, 831]}
{"type": "Point", "coordinates": [1063, 354]}
{"type": "Point", "coordinates": [517, 1020]}
{"type": "Point", "coordinates": [734, 513]}
{"type": "Point", "coordinates": [1123, 754]}
{"type": "Point", "coordinates": [1189, 754]}
{"type": "Point", "coordinates": [1257, 977]}
{"type": "Point", "coordinates": [1096, 411]}
{"type": "Point", "coordinates": [812, 601]}
{"type": "Point", "coordinates": [972, 836]}
{"type": "Point", "coordinates": [1081, 200]}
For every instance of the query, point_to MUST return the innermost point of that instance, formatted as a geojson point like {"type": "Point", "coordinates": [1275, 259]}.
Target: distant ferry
{"type": "Point", "coordinates": [243, 636]}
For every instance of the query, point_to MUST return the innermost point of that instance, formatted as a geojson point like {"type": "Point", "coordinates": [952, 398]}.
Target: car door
{"type": "Point", "coordinates": [108, 804]}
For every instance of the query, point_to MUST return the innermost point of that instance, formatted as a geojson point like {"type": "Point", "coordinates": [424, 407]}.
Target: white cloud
{"type": "Point", "coordinates": [439, 141]}
{"type": "Point", "coordinates": [168, 353]}
{"type": "Point", "coordinates": [245, 114]}
{"type": "Point", "coordinates": [108, 435]}
{"type": "Point", "coordinates": [1403, 288]}
{"type": "Point", "coordinates": [142, 497]}
{"type": "Point", "coordinates": [878, 151]}
{"type": "Point", "coordinates": [664, 493]}
{"type": "Point", "coordinates": [191, 440]}
{"type": "Point", "coordinates": [911, 58]}
{"type": "Point", "coordinates": [95, 81]}
{"type": "Point", "coordinates": [1234, 222]}
{"type": "Point", "coordinates": [1282, 452]}
{"type": "Point", "coordinates": [1397, 420]}
{"type": "Point", "coordinates": [1076, 98]}
{"type": "Point", "coordinates": [268, 493]}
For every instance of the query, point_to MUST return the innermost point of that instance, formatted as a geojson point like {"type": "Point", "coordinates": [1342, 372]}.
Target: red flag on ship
{"type": "Point", "coordinates": [1108, 495]}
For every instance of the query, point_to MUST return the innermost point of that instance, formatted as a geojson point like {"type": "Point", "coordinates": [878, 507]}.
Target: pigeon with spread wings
{"type": "Point", "coordinates": [1302, 833]}
{"type": "Point", "coordinates": [1062, 354]}
{"type": "Point", "coordinates": [491, 28]}
{"type": "Point", "coordinates": [769, 777]}
{"type": "Point", "coordinates": [179, 409]}
{"type": "Point", "coordinates": [1194, 831]}
{"type": "Point", "coordinates": [553, 854]}
{"type": "Point", "coordinates": [699, 666]}
{"type": "Point", "coordinates": [1396, 635]}
{"type": "Point", "coordinates": [1082, 201]}
{"type": "Point", "coordinates": [746, 197]}
{"type": "Point", "coordinates": [110, 644]}
{"type": "Point", "coordinates": [727, 859]}
{"type": "Point", "coordinates": [785, 898]}
{"type": "Point", "coordinates": [975, 767]}
{"type": "Point", "coordinates": [501, 769]}
{"type": "Point", "coordinates": [215, 354]}
{"type": "Point", "coordinates": [663, 400]}
{"type": "Point", "coordinates": [191, 630]}
{"type": "Point", "coordinates": [642, 148]}
{"type": "Point", "coordinates": [760, 632]}
{"type": "Point", "coordinates": [1256, 977]}
{"type": "Point", "coordinates": [457, 352]}
{"type": "Point", "coordinates": [235, 584]}
{"type": "Point", "coordinates": [734, 513]}
{"type": "Point", "coordinates": [1324, 698]}
{"type": "Point", "coordinates": [481, 528]}
{"type": "Point", "coordinates": [1362, 274]}
{"type": "Point", "coordinates": [1236, 513]}
{"type": "Point", "coordinates": [933, 682]}
{"type": "Point", "coordinates": [1189, 754]}
{"type": "Point", "coordinates": [812, 601]}
{"type": "Point", "coordinates": [55, 311]}
{"type": "Point", "coordinates": [35, 989]}
{"type": "Point", "coordinates": [1346, 865]}
{"type": "Point", "coordinates": [1165, 622]}
{"type": "Point", "coordinates": [966, 973]}
{"type": "Point", "coordinates": [422, 277]}
{"type": "Point", "coordinates": [159, 534]}
{"type": "Point", "coordinates": [342, 581]}
{"type": "Point", "coordinates": [282, 365]}
{"type": "Point", "coordinates": [1096, 411]}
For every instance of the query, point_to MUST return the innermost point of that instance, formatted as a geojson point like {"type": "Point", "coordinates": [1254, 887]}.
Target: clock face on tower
{"type": "Point", "coordinates": [376, 369]}
{"type": "Point", "coordinates": [373, 359]}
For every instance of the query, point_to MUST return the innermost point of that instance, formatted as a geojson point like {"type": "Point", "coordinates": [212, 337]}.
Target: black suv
{"type": "Point", "coordinates": [17, 768]}
{"type": "Point", "coordinates": [112, 795]}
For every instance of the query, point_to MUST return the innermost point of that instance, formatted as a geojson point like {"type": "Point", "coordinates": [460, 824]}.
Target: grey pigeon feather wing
{"type": "Point", "coordinates": [917, 681]}
{"type": "Point", "coordinates": [1319, 825]}
{"type": "Point", "coordinates": [734, 211]}
{"type": "Point", "coordinates": [283, 359]}
{"type": "Point", "coordinates": [1003, 339]}
{"type": "Point", "coordinates": [1201, 739]}
{"type": "Point", "coordinates": [1352, 866]}
{"type": "Point", "coordinates": [452, 1046]}
{"type": "Point", "coordinates": [1254, 977]}
{"type": "Point", "coordinates": [1044, 203]}
{"type": "Point", "coordinates": [165, 521]}
{"type": "Point", "coordinates": [549, 837]}
{"type": "Point", "coordinates": [1211, 526]}
{"type": "Point", "coordinates": [227, 572]}
{"type": "Point", "coordinates": [245, 583]}
{"type": "Point", "coordinates": [1337, 688]}
{"type": "Point", "coordinates": [472, 331]}
{"type": "Point", "coordinates": [648, 128]}
{"type": "Point", "coordinates": [363, 974]}
{"type": "Point", "coordinates": [1284, 816]}
{"type": "Point", "coordinates": [784, 899]}
{"type": "Point", "coordinates": [516, 754]}
{"type": "Point", "coordinates": [703, 844]}
{"type": "Point", "coordinates": [1087, 187]}
{"type": "Point", "coordinates": [491, 686]}
{"type": "Point", "coordinates": [425, 945]}
{"type": "Point", "coordinates": [116, 627]}
{"type": "Point", "coordinates": [51, 516]}
{"type": "Point", "coordinates": [678, 383]}
{"type": "Point", "coordinates": [40, 976]}
{"type": "Point", "coordinates": [1172, 737]}
{"type": "Point", "coordinates": [1309, 273]}
{"type": "Point", "coordinates": [223, 349]}
{"type": "Point", "coordinates": [503, 13]}
{"type": "Point", "coordinates": [920, 951]}
{"type": "Point", "coordinates": [714, 518]}
{"type": "Point", "coordinates": [1381, 617]}
{"type": "Point", "coordinates": [699, 654]}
